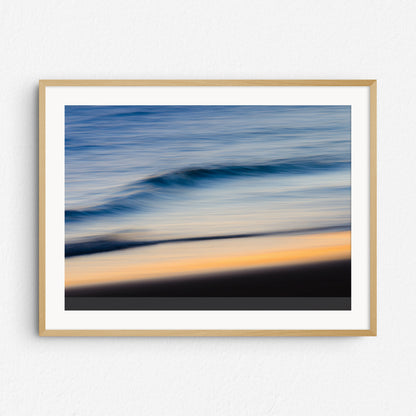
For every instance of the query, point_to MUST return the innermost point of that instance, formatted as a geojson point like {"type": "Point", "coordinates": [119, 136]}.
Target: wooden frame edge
{"type": "Point", "coordinates": [42, 208]}
{"type": "Point", "coordinates": [211, 333]}
{"type": "Point", "coordinates": [206, 333]}
{"type": "Point", "coordinates": [373, 207]}
{"type": "Point", "coordinates": [206, 82]}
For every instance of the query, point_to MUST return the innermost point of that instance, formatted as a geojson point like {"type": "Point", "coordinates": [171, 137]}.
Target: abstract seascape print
{"type": "Point", "coordinates": [207, 207]}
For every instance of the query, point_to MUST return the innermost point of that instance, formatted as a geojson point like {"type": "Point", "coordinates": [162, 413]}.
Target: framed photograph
{"type": "Point", "coordinates": [207, 207]}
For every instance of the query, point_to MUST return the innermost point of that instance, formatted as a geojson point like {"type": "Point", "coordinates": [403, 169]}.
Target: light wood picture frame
{"type": "Point", "coordinates": [207, 208]}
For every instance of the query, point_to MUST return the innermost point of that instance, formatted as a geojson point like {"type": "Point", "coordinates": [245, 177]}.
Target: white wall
{"type": "Point", "coordinates": [207, 39]}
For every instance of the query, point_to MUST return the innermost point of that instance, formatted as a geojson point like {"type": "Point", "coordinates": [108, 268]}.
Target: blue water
{"type": "Point", "coordinates": [145, 174]}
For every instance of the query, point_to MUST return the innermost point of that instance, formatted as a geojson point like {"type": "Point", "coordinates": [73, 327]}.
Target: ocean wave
{"type": "Point", "coordinates": [189, 176]}
{"type": "Point", "coordinates": [115, 242]}
{"type": "Point", "coordinates": [137, 195]}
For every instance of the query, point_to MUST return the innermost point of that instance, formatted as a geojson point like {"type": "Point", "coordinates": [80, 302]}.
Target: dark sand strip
{"type": "Point", "coordinates": [317, 280]}
{"type": "Point", "coordinates": [210, 303]}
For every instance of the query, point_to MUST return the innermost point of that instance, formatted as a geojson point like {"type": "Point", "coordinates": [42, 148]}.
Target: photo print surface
{"type": "Point", "coordinates": [208, 207]}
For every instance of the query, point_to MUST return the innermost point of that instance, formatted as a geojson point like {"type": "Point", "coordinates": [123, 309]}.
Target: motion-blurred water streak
{"type": "Point", "coordinates": [155, 173]}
